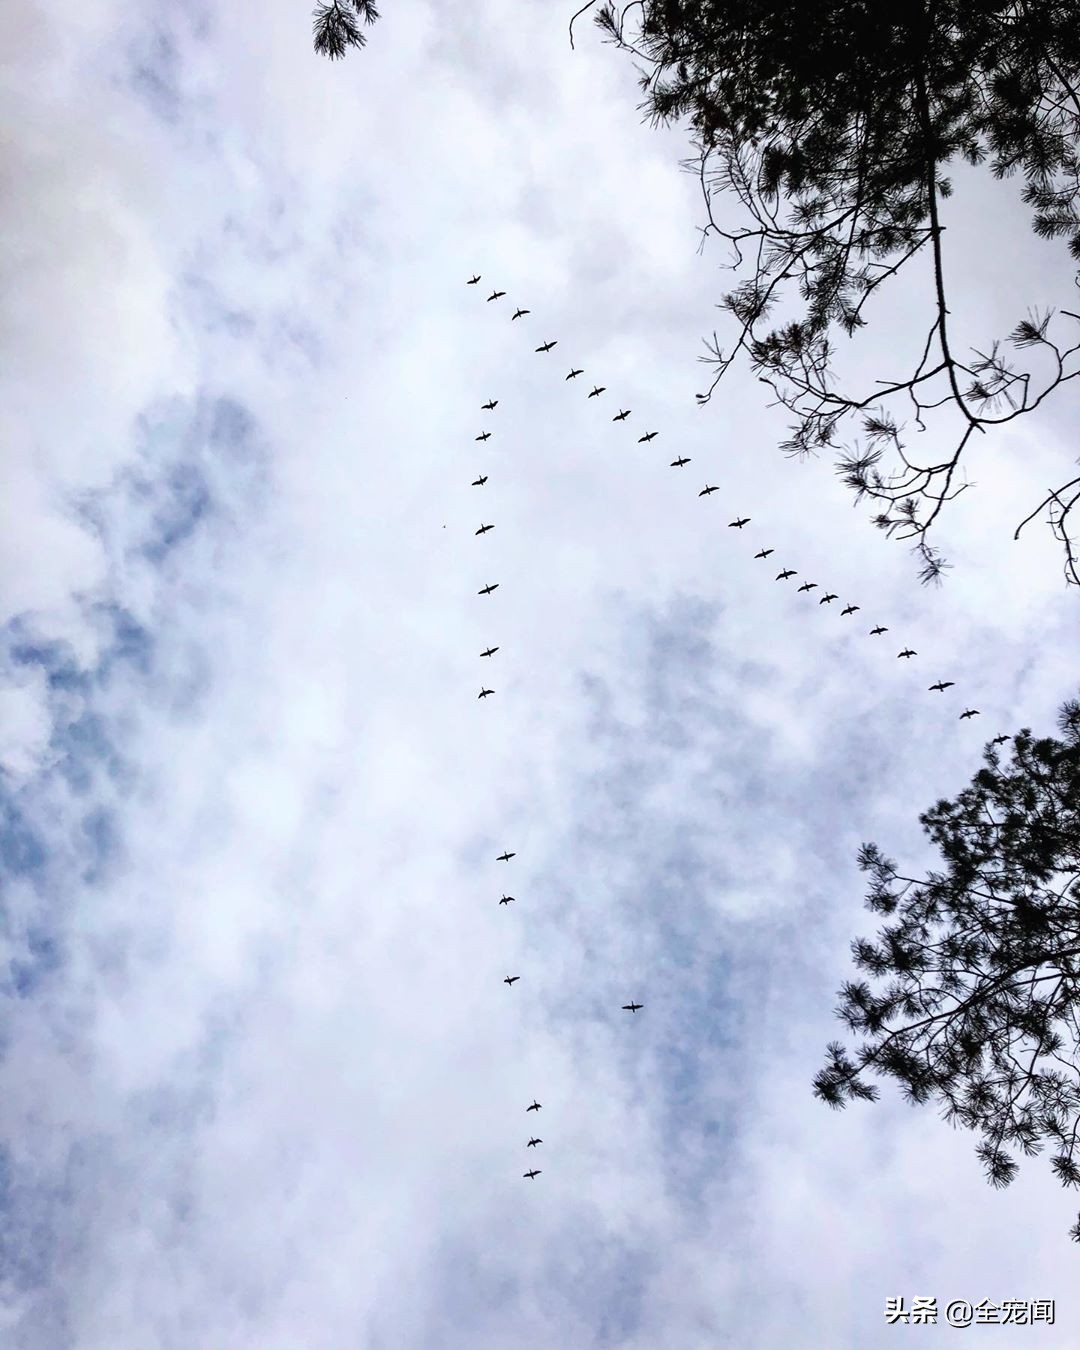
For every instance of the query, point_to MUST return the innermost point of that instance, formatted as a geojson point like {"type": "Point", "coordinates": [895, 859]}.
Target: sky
{"type": "Point", "coordinates": [261, 1083]}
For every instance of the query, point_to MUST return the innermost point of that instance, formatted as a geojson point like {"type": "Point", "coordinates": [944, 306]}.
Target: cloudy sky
{"type": "Point", "coordinates": [261, 1083]}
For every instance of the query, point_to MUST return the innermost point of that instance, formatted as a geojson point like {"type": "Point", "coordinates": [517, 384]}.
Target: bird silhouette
{"type": "Point", "coordinates": [490, 651]}
{"type": "Point", "coordinates": [808, 586]}
{"type": "Point", "coordinates": [971, 712]}
{"type": "Point", "coordinates": [827, 599]}
{"type": "Point", "coordinates": [787, 572]}
{"type": "Point", "coordinates": [535, 1106]}
{"type": "Point", "coordinates": [484, 529]}
{"type": "Point", "coordinates": [505, 857]}
{"type": "Point", "coordinates": [473, 280]}
{"type": "Point", "coordinates": [519, 313]}
{"type": "Point", "coordinates": [484, 693]}
{"type": "Point", "coordinates": [547, 346]}
{"type": "Point", "coordinates": [941, 686]}
{"type": "Point", "coordinates": [632, 1007]}
{"type": "Point", "coordinates": [491, 586]}
{"type": "Point", "coordinates": [848, 609]}
{"type": "Point", "coordinates": [479, 482]}
{"type": "Point", "coordinates": [738, 524]}
{"type": "Point", "coordinates": [999, 740]}
{"type": "Point", "coordinates": [511, 979]}
{"type": "Point", "coordinates": [906, 652]}
{"type": "Point", "coordinates": [764, 553]}
{"type": "Point", "coordinates": [490, 405]}
{"type": "Point", "coordinates": [533, 1143]}
{"type": "Point", "coordinates": [707, 489]}
{"type": "Point", "coordinates": [496, 295]}
{"type": "Point", "coordinates": [649, 435]}
{"type": "Point", "coordinates": [533, 1173]}
{"type": "Point", "coordinates": [597, 389]}
{"type": "Point", "coordinates": [484, 436]}
{"type": "Point", "coordinates": [507, 900]}
{"type": "Point", "coordinates": [574, 374]}
{"type": "Point", "coordinates": [875, 631]}
{"type": "Point", "coordinates": [678, 463]}
{"type": "Point", "coordinates": [621, 416]}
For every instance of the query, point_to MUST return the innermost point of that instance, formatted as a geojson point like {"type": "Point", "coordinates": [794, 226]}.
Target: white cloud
{"type": "Point", "coordinates": [273, 1091]}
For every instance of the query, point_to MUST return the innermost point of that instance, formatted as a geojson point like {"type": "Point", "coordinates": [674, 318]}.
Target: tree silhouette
{"type": "Point", "coordinates": [336, 27]}
{"type": "Point", "coordinates": [831, 122]}
{"type": "Point", "coordinates": [982, 1006]}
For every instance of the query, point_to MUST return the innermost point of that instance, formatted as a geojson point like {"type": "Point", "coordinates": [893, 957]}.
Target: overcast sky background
{"type": "Point", "coordinates": [261, 1084]}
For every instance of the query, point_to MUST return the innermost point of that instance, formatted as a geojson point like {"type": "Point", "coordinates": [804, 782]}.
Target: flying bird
{"type": "Point", "coordinates": [479, 482]}
{"type": "Point", "coordinates": [621, 416]}
{"type": "Point", "coordinates": [707, 489]}
{"type": "Point", "coordinates": [971, 712]}
{"type": "Point", "coordinates": [507, 900]}
{"type": "Point", "coordinates": [505, 857]}
{"type": "Point", "coordinates": [632, 1007]}
{"type": "Point", "coordinates": [764, 553]}
{"type": "Point", "coordinates": [535, 1106]}
{"type": "Point", "coordinates": [906, 652]}
{"type": "Point", "coordinates": [649, 435]}
{"type": "Point", "coordinates": [875, 631]}
{"type": "Point", "coordinates": [518, 313]}
{"type": "Point", "coordinates": [787, 572]}
{"type": "Point", "coordinates": [808, 586]}
{"type": "Point", "coordinates": [678, 463]}
{"type": "Point", "coordinates": [484, 436]}
{"type": "Point", "coordinates": [827, 598]}
{"type": "Point", "coordinates": [738, 524]}
{"type": "Point", "coordinates": [533, 1143]}
{"type": "Point", "coordinates": [484, 693]}
{"type": "Point", "coordinates": [999, 740]}
{"type": "Point", "coordinates": [848, 609]}
{"type": "Point", "coordinates": [574, 374]}
{"type": "Point", "coordinates": [484, 529]}
{"type": "Point", "coordinates": [533, 1172]}
{"type": "Point", "coordinates": [496, 295]}
{"type": "Point", "coordinates": [597, 389]}
{"type": "Point", "coordinates": [473, 280]}
{"type": "Point", "coordinates": [941, 686]}
{"type": "Point", "coordinates": [491, 586]}
{"type": "Point", "coordinates": [490, 651]}
{"type": "Point", "coordinates": [490, 405]}
{"type": "Point", "coordinates": [511, 979]}
{"type": "Point", "coordinates": [546, 346]}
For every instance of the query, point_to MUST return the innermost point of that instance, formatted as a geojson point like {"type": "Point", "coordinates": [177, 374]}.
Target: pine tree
{"type": "Point", "coordinates": [832, 122]}
{"type": "Point", "coordinates": [981, 1006]}
{"type": "Point", "coordinates": [336, 27]}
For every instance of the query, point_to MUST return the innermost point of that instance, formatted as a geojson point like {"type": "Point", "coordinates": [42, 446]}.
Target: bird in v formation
{"type": "Point", "coordinates": [738, 523]}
